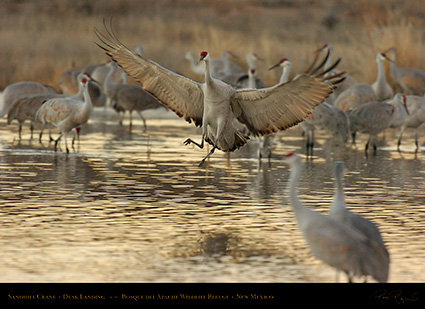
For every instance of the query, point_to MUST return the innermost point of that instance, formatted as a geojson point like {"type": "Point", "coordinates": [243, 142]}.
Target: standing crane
{"type": "Point", "coordinates": [67, 113]}
{"type": "Point", "coordinates": [329, 118]}
{"type": "Point", "coordinates": [244, 80]}
{"type": "Point", "coordinates": [26, 108]}
{"type": "Point", "coordinates": [329, 240]}
{"type": "Point", "coordinates": [411, 80]}
{"type": "Point", "coordinates": [382, 89]}
{"type": "Point", "coordinates": [415, 118]}
{"type": "Point", "coordinates": [19, 90]}
{"type": "Point", "coordinates": [370, 230]}
{"type": "Point", "coordinates": [214, 105]}
{"type": "Point", "coordinates": [126, 97]}
{"type": "Point", "coordinates": [374, 117]}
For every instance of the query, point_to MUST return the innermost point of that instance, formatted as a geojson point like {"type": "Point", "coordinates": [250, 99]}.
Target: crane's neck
{"type": "Point", "coordinates": [285, 74]}
{"type": "Point", "coordinates": [339, 197]}
{"type": "Point", "coordinates": [294, 177]}
{"type": "Point", "coordinates": [80, 92]}
{"type": "Point", "coordinates": [382, 79]}
{"type": "Point", "coordinates": [88, 105]}
{"type": "Point", "coordinates": [252, 81]}
{"type": "Point", "coordinates": [208, 79]}
{"type": "Point", "coordinates": [109, 83]}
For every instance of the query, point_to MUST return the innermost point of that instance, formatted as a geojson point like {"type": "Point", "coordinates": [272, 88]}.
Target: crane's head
{"type": "Point", "coordinates": [204, 56]}
{"type": "Point", "coordinates": [252, 71]}
{"type": "Point", "coordinates": [291, 157]}
{"type": "Point", "coordinates": [402, 99]}
{"type": "Point", "coordinates": [282, 63]}
{"type": "Point", "coordinates": [383, 56]}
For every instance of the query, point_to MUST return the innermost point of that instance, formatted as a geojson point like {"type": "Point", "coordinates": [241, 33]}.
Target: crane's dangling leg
{"type": "Point", "coordinates": [57, 141]}
{"type": "Point", "coordinates": [143, 119]}
{"type": "Point", "coordinates": [416, 142]}
{"type": "Point", "coordinates": [32, 129]}
{"type": "Point", "coordinates": [399, 139]}
{"type": "Point", "coordinates": [66, 142]}
{"type": "Point", "coordinates": [220, 127]}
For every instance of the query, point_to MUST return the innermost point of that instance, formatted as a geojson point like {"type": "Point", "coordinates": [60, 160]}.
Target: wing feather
{"type": "Point", "coordinates": [180, 94]}
{"type": "Point", "coordinates": [268, 110]}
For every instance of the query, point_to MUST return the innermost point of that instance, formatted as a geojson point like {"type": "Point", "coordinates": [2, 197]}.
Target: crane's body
{"type": "Point", "coordinates": [370, 230]}
{"type": "Point", "coordinates": [355, 96]}
{"type": "Point", "coordinates": [214, 105]}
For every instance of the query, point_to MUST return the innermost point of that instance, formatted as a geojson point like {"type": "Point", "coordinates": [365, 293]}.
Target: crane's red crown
{"type": "Point", "coordinates": [84, 80]}
{"type": "Point", "coordinates": [283, 60]}
{"type": "Point", "coordinates": [204, 54]}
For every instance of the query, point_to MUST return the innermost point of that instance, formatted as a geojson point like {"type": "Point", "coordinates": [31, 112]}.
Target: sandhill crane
{"type": "Point", "coordinates": [355, 96]}
{"type": "Point", "coordinates": [333, 242]}
{"type": "Point", "coordinates": [286, 66]}
{"type": "Point", "coordinates": [247, 81]}
{"type": "Point", "coordinates": [370, 230]}
{"type": "Point", "coordinates": [411, 80]}
{"type": "Point", "coordinates": [26, 108]}
{"type": "Point", "coordinates": [128, 97]}
{"type": "Point", "coordinates": [19, 90]}
{"type": "Point", "coordinates": [134, 98]}
{"type": "Point", "coordinates": [213, 105]}
{"type": "Point", "coordinates": [230, 72]}
{"type": "Point", "coordinates": [349, 79]}
{"type": "Point", "coordinates": [326, 117]}
{"type": "Point", "coordinates": [382, 89]}
{"type": "Point", "coordinates": [66, 113]}
{"type": "Point", "coordinates": [415, 118]}
{"type": "Point", "coordinates": [374, 117]}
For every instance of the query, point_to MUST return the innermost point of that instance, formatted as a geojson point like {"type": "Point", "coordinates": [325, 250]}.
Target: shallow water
{"type": "Point", "coordinates": [136, 207]}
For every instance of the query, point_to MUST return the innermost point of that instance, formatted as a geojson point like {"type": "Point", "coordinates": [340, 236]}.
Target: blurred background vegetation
{"type": "Point", "coordinates": [41, 39]}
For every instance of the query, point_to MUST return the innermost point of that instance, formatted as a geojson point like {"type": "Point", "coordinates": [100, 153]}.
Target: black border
{"type": "Point", "coordinates": [267, 294]}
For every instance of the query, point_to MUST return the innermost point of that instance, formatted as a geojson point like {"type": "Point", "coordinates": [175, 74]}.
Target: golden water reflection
{"type": "Point", "coordinates": [137, 208]}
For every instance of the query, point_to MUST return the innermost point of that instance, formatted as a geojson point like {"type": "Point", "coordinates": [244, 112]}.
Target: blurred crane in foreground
{"type": "Point", "coordinates": [411, 80]}
{"type": "Point", "coordinates": [374, 117]}
{"type": "Point", "coordinates": [370, 230]}
{"type": "Point", "coordinates": [214, 104]}
{"type": "Point", "coordinates": [329, 240]}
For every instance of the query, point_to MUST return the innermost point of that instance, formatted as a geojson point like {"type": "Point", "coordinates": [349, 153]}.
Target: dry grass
{"type": "Point", "coordinates": [41, 39]}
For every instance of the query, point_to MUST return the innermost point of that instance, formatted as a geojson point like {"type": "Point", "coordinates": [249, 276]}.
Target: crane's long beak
{"type": "Point", "coordinates": [405, 105]}
{"type": "Point", "coordinates": [386, 58]}
{"type": "Point", "coordinates": [200, 59]}
{"type": "Point", "coordinates": [274, 66]}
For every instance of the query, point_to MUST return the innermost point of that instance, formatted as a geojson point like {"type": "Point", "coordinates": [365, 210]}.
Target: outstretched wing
{"type": "Point", "coordinates": [268, 110]}
{"type": "Point", "coordinates": [178, 93]}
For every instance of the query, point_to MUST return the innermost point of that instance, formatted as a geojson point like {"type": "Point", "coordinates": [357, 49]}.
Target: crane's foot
{"type": "Point", "coordinates": [189, 141]}
{"type": "Point", "coordinates": [207, 156]}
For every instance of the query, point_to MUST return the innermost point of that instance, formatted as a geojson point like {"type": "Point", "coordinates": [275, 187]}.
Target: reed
{"type": "Point", "coordinates": [41, 39]}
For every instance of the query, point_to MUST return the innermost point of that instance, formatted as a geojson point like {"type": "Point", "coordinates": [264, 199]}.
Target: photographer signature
{"type": "Point", "coordinates": [383, 296]}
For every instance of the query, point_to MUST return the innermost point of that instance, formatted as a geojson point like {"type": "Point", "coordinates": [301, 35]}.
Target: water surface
{"type": "Point", "coordinates": [135, 207]}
